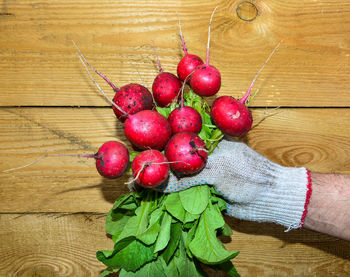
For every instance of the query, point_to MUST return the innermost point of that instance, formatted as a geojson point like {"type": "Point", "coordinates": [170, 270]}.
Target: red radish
{"type": "Point", "coordinates": [166, 86]}
{"type": "Point", "coordinates": [232, 116]}
{"type": "Point", "coordinates": [144, 129]}
{"type": "Point", "coordinates": [147, 129]}
{"type": "Point", "coordinates": [206, 79]}
{"type": "Point", "coordinates": [185, 118]}
{"type": "Point", "coordinates": [188, 153]}
{"type": "Point", "coordinates": [150, 168]}
{"type": "Point", "coordinates": [112, 159]}
{"type": "Point", "coordinates": [188, 63]}
{"type": "Point", "coordinates": [130, 98]}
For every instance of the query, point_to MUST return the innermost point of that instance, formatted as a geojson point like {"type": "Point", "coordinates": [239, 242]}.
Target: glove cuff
{"type": "Point", "coordinates": [284, 201]}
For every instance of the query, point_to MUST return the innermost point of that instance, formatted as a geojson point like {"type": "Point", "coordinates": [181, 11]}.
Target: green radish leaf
{"type": "Point", "coordinates": [190, 235]}
{"type": "Point", "coordinates": [125, 257]}
{"type": "Point", "coordinates": [164, 111]}
{"type": "Point", "coordinates": [209, 145]}
{"type": "Point", "coordinates": [132, 155]}
{"type": "Point", "coordinates": [152, 269]}
{"type": "Point", "coordinates": [122, 244]}
{"type": "Point", "coordinates": [214, 192]}
{"type": "Point", "coordinates": [222, 204]}
{"type": "Point", "coordinates": [206, 119]}
{"type": "Point", "coordinates": [226, 230]}
{"type": "Point", "coordinates": [186, 267]}
{"type": "Point", "coordinates": [164, 235]}
{"type": "Point", "coordinates": [215, 217]}
{"type": "Point", "coordinates": [173, 106]}
{"type": "Point", "coordinates": [130, 229]}
{"type": "Point", "coordinates": [142, 216]}
{"type": "Point", "coordinates": [203, 134]}
{"type": "Point", "coordinates": [116, 220]}
{"type": "Point", "coordinates": [197, 106]}
{"type": "Point", "coordinates": [131, 206]}
{"type": "Point", "coordinates": [207, 131]}
{"type": "Point", "coordinates": [106, 253]}
{"type": "Point", "coordinates": [156, 215]}
{"type": "Point", "coordinates": [205, 246]}
{"type": "Point", "coordinates": [170, 270]}
{"type": "Point", "coordinates": [213, 199]}
{"type": "Point", "coordinates": [188, 225]}
{"type": "Point", "coordinates": [124, 199]}
{"type": "Point", "coordinates": [184, 264]}
{"type": "Point", "coordinates": [172, 205]}
{"type": "Point", "coordinates": [216, 134]}
{"type": "Point", "coordinates": [200, 271]}
{"type": "Point", "coordinates": [138, 224]}
{"type": "Point", "coordinates": [189, 217]}
{"type": "Point", "coordinates": [108, 271]}
{"type": "Point", "coordinates": [229, 268]}
{"type": "Point", "coordinates": [195, 199]}
{"type": "Point", "coordinates": [124, 273]}
{"type": "Point", "coordinates": [116, 235]}
{"type": "Point", "coordinates": [150, 235]}
{"type": "Point", "coordinates": [175, 235]}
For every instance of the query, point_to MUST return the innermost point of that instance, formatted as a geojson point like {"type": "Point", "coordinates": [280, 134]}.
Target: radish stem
{"type": "Point", "coordinates": [183, 87]}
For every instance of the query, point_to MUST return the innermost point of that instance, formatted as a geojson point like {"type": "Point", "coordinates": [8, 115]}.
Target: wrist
{"type": "Point", "coordinates": [328, 211]}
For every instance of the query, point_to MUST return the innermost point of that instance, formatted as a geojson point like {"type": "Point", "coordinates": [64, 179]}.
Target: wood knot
{"type": "Point", "coordinates": [247, 11]}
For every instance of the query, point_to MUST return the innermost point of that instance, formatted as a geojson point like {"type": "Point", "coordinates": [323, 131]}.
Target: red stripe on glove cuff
{"type": "Point", "coordinates": [307, 201]}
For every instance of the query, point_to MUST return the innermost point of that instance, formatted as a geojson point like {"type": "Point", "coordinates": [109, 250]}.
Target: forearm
{"type": "Point", "coordinates": [329, 207]}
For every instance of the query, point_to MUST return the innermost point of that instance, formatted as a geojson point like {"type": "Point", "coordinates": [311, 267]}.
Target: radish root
{"type": "Point", "coordinates": [211, 19]}
{"type": "Point", "coordinates": [83, 60]}
{"type": "Point", "coordinates": [182, 37]}
{"type": "Point", "coordinates": [50, 155]}
{"type": "Point", "coordinates": [158, 61]}
{"type": "Point", "coordinates": [245, 97]}
{"type": "Point", "coordinates": [95, 70]}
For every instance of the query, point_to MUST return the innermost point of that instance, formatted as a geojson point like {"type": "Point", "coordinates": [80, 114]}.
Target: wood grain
{"type": "Point", "coordinates": [52, 214]}
{"type": "Point", "coordinates": [315, 138]}
{"type": "Point", "coordinates": [38, 65]}
{"type": "Point", "coordinates": [51, 245]}
{"type": "Point", "coordinates": [65, 245]}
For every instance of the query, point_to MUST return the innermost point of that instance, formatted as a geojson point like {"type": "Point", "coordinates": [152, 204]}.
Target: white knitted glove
{"type": "Point", "coordinates": [255, 188]}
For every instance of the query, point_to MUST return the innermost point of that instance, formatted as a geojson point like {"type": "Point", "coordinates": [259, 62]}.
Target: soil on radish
{"type": "Point", "coordinates": [112, 159]}
{"type": "Point", "coordinates": [188, 153]}
{"type": "Point", "coordinates": [132, 98]}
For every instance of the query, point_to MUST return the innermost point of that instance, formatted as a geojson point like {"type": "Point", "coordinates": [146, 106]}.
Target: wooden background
{"type": "Point", "coordinates": [52, 214]}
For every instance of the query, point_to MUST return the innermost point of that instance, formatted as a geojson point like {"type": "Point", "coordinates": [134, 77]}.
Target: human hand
{"type": "Point", "coordinates": [255, 188]}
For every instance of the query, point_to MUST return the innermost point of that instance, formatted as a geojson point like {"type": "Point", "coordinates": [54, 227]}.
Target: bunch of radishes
{"type": "Point", "coordinates": [185, 153]}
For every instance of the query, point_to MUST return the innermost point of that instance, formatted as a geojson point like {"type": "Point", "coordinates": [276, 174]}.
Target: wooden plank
{"type": "Point", "coordinates": [65, 245]}
{"type": "Point", "coordinates": [38, 65]}
{"type": "Point", "coordinates": [315, 138]}
{"type": "Point", "coordinates": [51, 245]}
